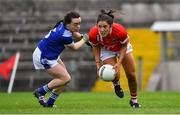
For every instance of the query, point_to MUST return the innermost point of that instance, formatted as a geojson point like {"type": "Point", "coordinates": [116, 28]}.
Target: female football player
{"type": "Point", "coordinates": [110, 40]}
{"type": "Point", "coordinates": [46, 56]}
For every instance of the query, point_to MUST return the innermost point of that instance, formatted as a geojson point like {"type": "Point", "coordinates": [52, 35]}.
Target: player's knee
{"type": "Point", "coordinates": [64, 80]}
{"type": "Point", "coordinates": [67, 79]}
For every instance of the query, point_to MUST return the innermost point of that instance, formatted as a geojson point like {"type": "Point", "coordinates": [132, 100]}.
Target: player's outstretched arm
{"type": "Point", "coordinates": [78, 37]}
{"type": "Point", "coordinates": [77, 45]}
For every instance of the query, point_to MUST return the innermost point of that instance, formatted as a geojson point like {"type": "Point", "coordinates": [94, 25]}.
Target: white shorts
{"type": "Point", "coordinates": [106, 54]}
{"type": "Point", "coordinates": [41, 62]}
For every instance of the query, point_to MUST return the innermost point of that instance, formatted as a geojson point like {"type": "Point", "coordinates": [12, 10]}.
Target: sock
{"type": "Point", "coordinates": [116, 83]}
{"type": "Point", "coordinates": [134, 99]}
{"type": "Point", "coordinates": [52, 98]}
{"type": "Point", "coordinates": [44, 89]}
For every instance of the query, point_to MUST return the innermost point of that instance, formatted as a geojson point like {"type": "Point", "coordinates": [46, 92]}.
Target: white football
{"type": "Point", "coordinates": [107, 72]}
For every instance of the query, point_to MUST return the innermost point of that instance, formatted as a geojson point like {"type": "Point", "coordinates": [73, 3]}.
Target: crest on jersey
{"type": "Point", "coordinates": [99, 38]}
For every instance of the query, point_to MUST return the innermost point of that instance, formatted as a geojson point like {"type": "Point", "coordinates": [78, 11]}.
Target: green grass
{"type": "Point", "coordinates": [92, 102]}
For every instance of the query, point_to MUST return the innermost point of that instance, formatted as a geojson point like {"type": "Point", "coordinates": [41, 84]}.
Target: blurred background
{"type": "Point", "coordinates": [24, 22]}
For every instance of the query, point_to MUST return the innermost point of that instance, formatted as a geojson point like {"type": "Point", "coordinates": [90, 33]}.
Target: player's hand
{"type": "Point", "coordinates": [85, 37]}
{"type": "Point", "coordinates": [116, 67]}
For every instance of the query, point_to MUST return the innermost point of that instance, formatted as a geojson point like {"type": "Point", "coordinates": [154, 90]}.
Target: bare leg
{"type": "Point", "coordinates": [60, 78]}
{"type": "Point", "coordinates": [118, 90]}
{"type": "Point", "coordinates": [60, 75]}
{"type": "Point", "coordinates": [129, 67]}
{"type": "Point", "coordinates": [62, 82]}
{"type": "Point", "coordinates": [59, 89]}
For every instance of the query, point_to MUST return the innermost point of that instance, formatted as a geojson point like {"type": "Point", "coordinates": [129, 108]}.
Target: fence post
{"type": "Point", "coordinates": [140, 63]}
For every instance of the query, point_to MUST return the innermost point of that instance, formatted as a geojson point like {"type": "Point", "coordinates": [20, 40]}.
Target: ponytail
{"type": "Point", "coordinates": [109, 13]}
{"type": "Point", "coordinates": [106, 16]}
{"type": "Point", "coordinates": [57, 24]}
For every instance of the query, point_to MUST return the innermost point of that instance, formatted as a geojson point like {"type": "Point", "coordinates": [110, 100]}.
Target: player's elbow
{"type": "Point", "coordinates": [74, 48]}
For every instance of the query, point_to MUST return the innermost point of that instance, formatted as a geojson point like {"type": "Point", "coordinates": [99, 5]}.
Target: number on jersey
{"type": "Point", "coordinates": [47, 36]}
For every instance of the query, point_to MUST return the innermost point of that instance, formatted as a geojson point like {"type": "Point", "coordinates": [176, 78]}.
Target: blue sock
{"type": "Point", "coordinates": [43, 90]}
{"type": "Point", "coordinates": [52, 98]}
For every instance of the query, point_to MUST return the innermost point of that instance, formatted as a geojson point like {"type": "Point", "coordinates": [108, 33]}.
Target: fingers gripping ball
{"type": "Point", "coordinates": [85, 37]}
{"type": "Point", "coordinates": [107, 72]}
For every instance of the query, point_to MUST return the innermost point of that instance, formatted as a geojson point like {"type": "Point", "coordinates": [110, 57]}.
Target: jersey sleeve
{"type": "Point", "coordinates": [67, 38]}
{"type": "Point", "coordinates": [122, 34]}
{"type": "Point", "coordinates": [68, 41]}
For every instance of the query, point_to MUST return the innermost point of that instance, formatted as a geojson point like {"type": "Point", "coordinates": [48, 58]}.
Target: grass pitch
{"type": "Point", "coordinates": [92, 103]}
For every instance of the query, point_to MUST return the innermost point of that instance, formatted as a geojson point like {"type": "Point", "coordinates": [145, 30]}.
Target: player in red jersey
{"type": "Point", "coordinates": [110, 40]}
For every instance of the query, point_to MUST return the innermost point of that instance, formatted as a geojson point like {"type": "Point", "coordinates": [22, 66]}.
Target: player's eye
{"type": "Point", "coordinates": [105, 26]}
{"type": "Point", "coordinates": [99, 26]}
{"type": "Point", "coordinates": [76, 24]}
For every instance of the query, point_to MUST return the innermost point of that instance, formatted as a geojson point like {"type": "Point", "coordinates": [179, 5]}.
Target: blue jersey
{"type": "Point", "coordinates": [54, 42]}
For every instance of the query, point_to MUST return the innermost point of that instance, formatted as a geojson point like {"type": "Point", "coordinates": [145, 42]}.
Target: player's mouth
{"type": "Point", "coordinates": [103, 34]}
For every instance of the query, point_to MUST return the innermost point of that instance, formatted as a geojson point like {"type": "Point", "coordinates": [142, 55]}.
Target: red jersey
{"type": "Point", "coordinates": [113, 41]}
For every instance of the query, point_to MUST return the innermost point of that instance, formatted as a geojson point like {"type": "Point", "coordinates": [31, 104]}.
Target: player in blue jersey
{"type": "Point", "coordinates": [46, 56]}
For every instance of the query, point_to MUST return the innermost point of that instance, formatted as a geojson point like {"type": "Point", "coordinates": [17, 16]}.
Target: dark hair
{"type": "Point", "coordinates": [106, 16]}
{"type": "Point", "coordinates": [68, 18]}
